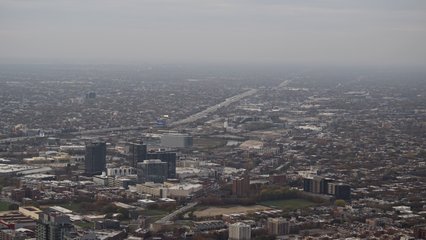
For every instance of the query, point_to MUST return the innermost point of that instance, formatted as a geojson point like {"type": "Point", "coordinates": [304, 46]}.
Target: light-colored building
{"type": "Point", "coordinates": [239, 231]}
{"type": "Point", "coordinates": [278, 226]}
{"type": "Point", "coordinates": [153, 189]}
{"type": "Point", "coordinates": [101, 180]}
{"type": "Point", "coordinates": [176, 140]}
{"type": "Point", "coordinates": [187, 172]}
{"type": "Point", "coordinates": [168, 190]}
{"type": "Point", "coordinates": [120, 171]}
{"type": "Point", "coordinates": [19, 169]}
{"type": "Point", "coordinates": [16, 220]}
{"type": "Point", "coordinates": [60, 209]}
{"type": "Point", "coordinates": [30, 211]}
{"type": "Point", "coordinates": [183, 190]}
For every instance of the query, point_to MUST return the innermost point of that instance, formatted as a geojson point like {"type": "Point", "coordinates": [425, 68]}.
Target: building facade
{"type": "Point", "coordinates": [53, 226]}
{"type": "Point", "coordinates": [241, 186]}
{"type": "Point", "coordinates": [167, 157]}
{"type": "Point", "coordinates": [176, 140]}
{"type": "Point", "coordinates": [278, 226]}
{"type": "Point", "coordinates": [136, 153]}
{"type": "Point", "coordinates": [95, 158]}
{"type": "Point", "coordinates": [239, 231]}
{"type": "Point", "coordinates": [153, 170]}
{"type": "Point", "coordinates": [320, 185]}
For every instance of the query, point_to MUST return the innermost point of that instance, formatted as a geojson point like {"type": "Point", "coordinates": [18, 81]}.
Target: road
{"type": "Point", "coordinates": [214, 108]}
{"type": "Point", "coordinates": [174, 214]}
{"type": "Point", "coordinates": [17, 139]}
{"type": "Point", "coordinates": [189, 119]}
{"type": "Point", "coordinates": [95, 131]}
{"type": "Point", "coordinates": [104, 130]}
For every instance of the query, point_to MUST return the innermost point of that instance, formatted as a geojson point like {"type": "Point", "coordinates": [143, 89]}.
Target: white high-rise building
{"type": "Point", "coordinates": [239, 231]}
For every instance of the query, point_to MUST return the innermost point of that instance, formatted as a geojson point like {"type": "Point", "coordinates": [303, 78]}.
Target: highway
{"type": "Point", "coordinates": [95, 131]}
{"type": "Point", "coordinates": [187, 120]}
{"type": "Point", "coordinates": [174, 214]}
{"type": "Point", "coordinates": [17, 139]}
{"type": "Point", "coordinates": [214, 108]}
{"type": "Point", "coordinates": [104, 130]}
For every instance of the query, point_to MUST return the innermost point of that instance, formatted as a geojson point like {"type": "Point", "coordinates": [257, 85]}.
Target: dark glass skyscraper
{"type": "Point", "coordinates": [153, 170]}
{"type": "Point", "coordinates": [137, 153]}
{"type": "Point", "coordinates": [95, 159]}
{"type": "Point", "coordinates": [167, 157]}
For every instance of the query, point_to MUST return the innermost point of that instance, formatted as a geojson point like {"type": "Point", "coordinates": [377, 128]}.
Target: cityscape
{"type": "Point", "coordinates": [289, 158]}
{"type": "Point", "coordinates": [212, 120]}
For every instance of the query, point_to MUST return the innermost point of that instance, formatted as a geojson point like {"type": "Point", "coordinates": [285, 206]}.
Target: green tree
{"type": "Point", "coordinates": [340, 203]}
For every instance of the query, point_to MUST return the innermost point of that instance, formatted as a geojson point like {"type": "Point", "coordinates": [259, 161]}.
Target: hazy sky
{"type": "Point", "coordinates": [383, 32]}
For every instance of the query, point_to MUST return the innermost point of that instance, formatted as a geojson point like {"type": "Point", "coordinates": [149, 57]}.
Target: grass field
{"type": "Point", "coordinates": [4, 206]}
{"type": "Point", "coordinates": [217, 211]}
{"type": "Point", "coordinates": [84, 225]}
{"type": "Point", "coordinates": [73, 206]}
{"type": "Point", "coordinates": [288, 204]}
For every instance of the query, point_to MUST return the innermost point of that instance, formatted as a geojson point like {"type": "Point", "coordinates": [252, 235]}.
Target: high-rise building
{"type": "Point", "coordinates": [241, 186]}
{"type": "Point", "coordinates": [137, 153]}
{"type": "Point", "coordinates": [176, 140]}
{"type": "Point", "coordinates": [52, 226]}
{"type": "Point", "coordinates": [342, 191]}
{"type": "Point", "coordinates": [322, 185]}
{"type": "Point", "coordinates": [153, 170]}
{"type": "Point", "coordinates": [167, 157]}
{"type": "Point", "coordinates": [239, 231]}
{"type": "Point", "coordinates": [278, 226]}
{"type": "Point", "coordinates": [317, 184]}
{"type": "Point", "coordinates": [95, 158]}
{"type": "Point", "coordinates": [307, 184]}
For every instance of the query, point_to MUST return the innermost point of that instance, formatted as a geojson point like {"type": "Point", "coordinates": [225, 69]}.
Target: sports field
{"type": "Point", "coordinates": [217, 211]}
{"type": "Point", "coordinates": [288, 204]}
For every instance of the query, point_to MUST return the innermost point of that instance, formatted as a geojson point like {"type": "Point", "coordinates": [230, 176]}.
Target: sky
{"type": "Point", "coordinates": [350, 32]}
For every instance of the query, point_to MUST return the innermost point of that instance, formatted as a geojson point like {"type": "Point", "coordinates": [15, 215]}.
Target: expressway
{"type": "Point", "coordinates": [213, 108]}
{"type": "Point", "coordinates": [104, 130]}
{"type": "Point", "coordinates": [17, 139]}
{"type": "Point", "coordinates": [187, 120]}
{"type": "Point", "coordinates": [94, 131]}
{"type": "Point", "coordinates": [174, 214]}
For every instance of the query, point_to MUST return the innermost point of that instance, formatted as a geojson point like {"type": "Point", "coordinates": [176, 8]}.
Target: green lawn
{"type": "Point", "coordinates": [289, 204]}
{"type": "Point", "coordinates": [4, 206]}
{"type": "Point", "coordinates": [73, 206]}
{"type": "Point", "coordinates": [84, 224]}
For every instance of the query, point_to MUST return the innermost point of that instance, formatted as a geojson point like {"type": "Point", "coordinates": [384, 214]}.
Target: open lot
{"type": "Point", "coordinates": [289, 204]}
{"type": "Point", "coordinates": [217, 211]}
{"type": "Point", "coordinates": [208, 143]}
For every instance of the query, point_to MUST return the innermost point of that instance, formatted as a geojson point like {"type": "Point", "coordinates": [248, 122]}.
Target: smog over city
{"type": "Point", "coordinates": [214, 119]}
